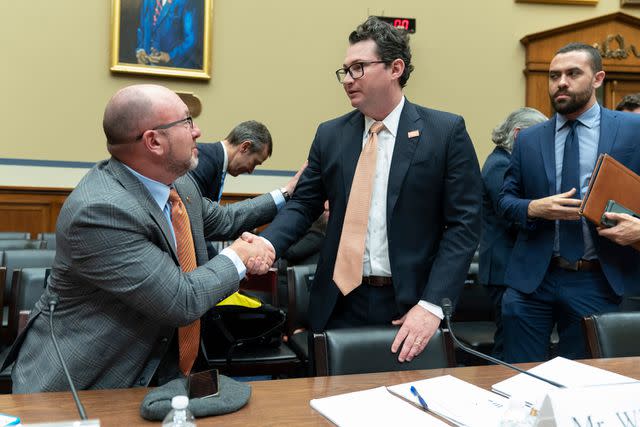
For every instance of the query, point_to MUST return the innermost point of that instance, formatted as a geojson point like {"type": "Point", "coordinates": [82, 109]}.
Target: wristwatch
{"type": "Point", "coordinates": [285, 194]}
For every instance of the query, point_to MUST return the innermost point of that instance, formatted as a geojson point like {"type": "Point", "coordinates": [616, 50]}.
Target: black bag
{"type": "Point", "coordinates": [228, 327]}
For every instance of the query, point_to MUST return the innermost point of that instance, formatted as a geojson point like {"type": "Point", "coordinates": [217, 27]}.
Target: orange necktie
{"type": "Point", "coordinates": [188, 336]}
{"type": "Point", "coordinates": [348, 270]}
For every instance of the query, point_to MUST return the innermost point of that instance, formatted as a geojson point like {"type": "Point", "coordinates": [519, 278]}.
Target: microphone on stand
{"type": "Point", "coordinates": [447, 309]}
{"type": "Point", "coordinates": [53, 301]}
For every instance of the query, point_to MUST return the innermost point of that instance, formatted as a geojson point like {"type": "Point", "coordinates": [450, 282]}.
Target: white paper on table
{"type": "Point", "coordinates": [460, 402]}
{"type": "Point", "coordinates": [567, 372]}
{"type": "Point", "coordinates": [373, 407]}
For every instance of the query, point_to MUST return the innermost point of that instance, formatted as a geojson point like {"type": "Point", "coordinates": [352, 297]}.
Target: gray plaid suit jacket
{"type": "Point", "coordinates": [121, 291]}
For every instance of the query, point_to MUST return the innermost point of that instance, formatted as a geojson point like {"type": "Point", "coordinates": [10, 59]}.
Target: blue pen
{"type": "Point", "coordinates": [420, 399]}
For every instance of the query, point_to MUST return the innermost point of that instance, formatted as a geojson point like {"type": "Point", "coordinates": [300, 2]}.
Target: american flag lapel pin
{"type": "Point", "coordinates": [413, 134]}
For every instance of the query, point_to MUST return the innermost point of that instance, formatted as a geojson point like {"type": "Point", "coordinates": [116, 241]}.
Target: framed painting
{"type": "Point", "coordinates": [635, 3]}
{"type": "Point", "coordinates": [161, 37]}
{"type": "Point", "coordinates": [583, 2]}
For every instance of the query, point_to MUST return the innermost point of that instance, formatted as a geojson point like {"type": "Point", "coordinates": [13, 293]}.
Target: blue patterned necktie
{"type": "Point", "coordinates": [571, 240]}
{"type": "Point", "coordinates": [224, 175]}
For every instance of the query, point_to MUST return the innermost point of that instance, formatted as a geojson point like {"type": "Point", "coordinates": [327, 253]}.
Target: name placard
{"type": "Point", "coordinates": [596, 406]}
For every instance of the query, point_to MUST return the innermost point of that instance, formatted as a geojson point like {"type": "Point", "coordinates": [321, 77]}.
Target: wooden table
{"type": "Point", "coordinates": [273, 403]}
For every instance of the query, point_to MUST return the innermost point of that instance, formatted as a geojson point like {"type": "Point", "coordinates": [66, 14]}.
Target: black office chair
{"type": "Point", "coordinates": [50, 238]}
{"type": "Point", "coordinates": [14, 244]}
{"type": "Point", "coordinates": [5, 235]}
{"type": "Point", "coordinates": [368, 349]}
{"type": "Point", "coordinates": [473, 321]}
{"type": "Point", "coordinates": [613, 334]}
{"type": "Point", "coordinates": [15, 259]}
{"type": "Point", "coordinates": [299, 278]}
{"type": "Point", "coordinates": [28, 285]}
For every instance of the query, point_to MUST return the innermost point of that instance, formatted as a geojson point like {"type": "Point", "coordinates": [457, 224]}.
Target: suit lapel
{"type": "Point", "coordinates": [165, 11]}
{"type": "Point", "coordinates": [608, 130]}
{"type": "Point", "coordinates": [548, 146]}
{"type": "Point", "coordinates": [351, 143]}
{"type": "Point", "coordinates": [135, 187]}
{"type": "Point", "coordinates": [403, 152]}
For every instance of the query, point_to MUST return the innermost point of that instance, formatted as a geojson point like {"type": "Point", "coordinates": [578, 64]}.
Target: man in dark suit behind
{"type": "Point", "coordinates": [248, 145]}
{"type": "Point", "coordinates": [561, 269]}
{"type": "Point", "coordinates": [423, 224]}
{"type": "Point", "coordinates": [499, 235]}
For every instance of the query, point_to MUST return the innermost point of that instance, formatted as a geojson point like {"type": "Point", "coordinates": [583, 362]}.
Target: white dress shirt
{"type": "Point", "coordinates": [376, 248]}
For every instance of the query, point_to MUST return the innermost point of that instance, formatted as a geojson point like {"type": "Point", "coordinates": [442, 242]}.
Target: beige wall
{"type": "Point", "coordinates": [272, 61]}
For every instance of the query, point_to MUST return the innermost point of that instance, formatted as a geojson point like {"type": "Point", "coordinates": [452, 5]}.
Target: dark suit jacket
{"type": "Point", "coordinates": [532, 175]}
{"type": "Point", "coordinates": [433, 205]}
{"type": "Point", "coordinates": [498, 234]}
{"type": "Point", "coordinates": [121, 291]}
{"type": "Point", "coordinates": [177, 32]}
{"type": "Point", "coordinates": [208, 175]}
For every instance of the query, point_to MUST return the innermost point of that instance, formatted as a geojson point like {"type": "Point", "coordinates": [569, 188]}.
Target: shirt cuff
{"type": "Point", "coordinates": [436, 310]}
{"type": "Point", "coordinates": [235, 259]}
{"type": "Point", "coordinates": [278, 198]}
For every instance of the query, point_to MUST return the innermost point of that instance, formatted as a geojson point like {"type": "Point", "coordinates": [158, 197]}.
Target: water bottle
{"type": "Point", "coordinates": [179, 416]}
{"type": "Point", "coordinates": [517, 415]}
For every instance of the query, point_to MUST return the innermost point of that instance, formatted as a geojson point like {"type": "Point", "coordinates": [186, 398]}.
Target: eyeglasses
{"type": "Point", "coordinates": [355, 70]}
{"type": "Point", "coordinates": [188, 120]}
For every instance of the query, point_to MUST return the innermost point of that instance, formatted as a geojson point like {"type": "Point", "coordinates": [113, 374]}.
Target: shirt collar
{"type": "Point", "coordinates": [225, 164]}
{"type": "Point", "coordinates": [589, 118]}
{"type": "Point", "coordinates": [158, 190]}
{"type": "Point", "coordinates": [391, 122]}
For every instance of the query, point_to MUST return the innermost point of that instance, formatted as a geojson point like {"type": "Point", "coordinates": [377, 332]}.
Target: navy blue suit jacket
{"type": "Point", "coordinates": [208, 175]}
{"type": "Point", "coordinates": [498, 234]}
{"type": "Point", "coordinates": [531, 175]}
{"type": "Point", "coordinates": [433, 206]}
{"type": "Point", "coordinates": [176, 32]}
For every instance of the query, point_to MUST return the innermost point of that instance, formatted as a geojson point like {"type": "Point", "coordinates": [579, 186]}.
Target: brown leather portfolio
{"type": "Point", "coordinates": [610, 180]}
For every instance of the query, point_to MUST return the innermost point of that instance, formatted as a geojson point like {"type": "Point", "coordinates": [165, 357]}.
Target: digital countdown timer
{"type": "Point", "coordinates": [408, 24]}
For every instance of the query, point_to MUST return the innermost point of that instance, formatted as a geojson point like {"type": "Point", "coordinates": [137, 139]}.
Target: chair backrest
{"type": "Point", "coordinates": [613, 334]}
{"type": "Point", "coordinates": [11, 244]}
{"type": "Point", "coordinates": [28, 284]}
{"type": "Point", "coordinates": [23, 259]}
{"type": "Point", "coordinates": [50, 238]}
{"type": "Point", "coordinates": [299, 278]}
{"type": "Point", "coordinates": [368, 349]}
{"type": "Point", "coordinates": [474, 304]}
{"type": "Point", "coordinates": [14, 235]}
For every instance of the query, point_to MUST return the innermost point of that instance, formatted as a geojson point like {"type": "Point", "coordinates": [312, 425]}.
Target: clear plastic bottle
{"type": "Point", "coordinates": [179, 416]}
{"type": "Point", "coordinates": [517, 415]}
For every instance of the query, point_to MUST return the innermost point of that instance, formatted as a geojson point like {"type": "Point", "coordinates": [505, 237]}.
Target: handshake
{"type": "Point", "coordinates": [256, 253]}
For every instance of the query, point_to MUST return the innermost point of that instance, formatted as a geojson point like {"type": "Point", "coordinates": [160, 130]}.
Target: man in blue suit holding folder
{"type": "Point", "coordinates": [561, 269]}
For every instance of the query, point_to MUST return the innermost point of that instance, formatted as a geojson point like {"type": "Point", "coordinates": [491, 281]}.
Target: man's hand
{"type": "Point", "coordinates": [625, 232]}
{"type": "Point", "coordinates": [418, 326]}
{"type": "Point", "coordinates": [141, 57]}
{"type": "Point", "coordinates": [291, 185]}
{"type": "Point", "coordinates": [254, 252]}
{"type": "Point", "coordinates": [558, 206]}
{"type": "Point", "coordinates": [159, 58]}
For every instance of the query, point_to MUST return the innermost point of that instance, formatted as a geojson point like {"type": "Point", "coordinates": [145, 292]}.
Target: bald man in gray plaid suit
{"type": "Point", "coordinates": [122, 293]}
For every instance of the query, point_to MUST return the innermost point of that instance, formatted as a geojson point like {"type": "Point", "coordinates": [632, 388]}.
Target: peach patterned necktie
{"type": "Point", "coordinates": [188, 336]}
{"type": "Point", "coordinates": [348, 269]}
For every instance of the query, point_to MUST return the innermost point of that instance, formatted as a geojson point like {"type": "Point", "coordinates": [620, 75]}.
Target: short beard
{"type": "Point", "coordinates": [179, 168]}
{"type": "Point", "coordinates": [575, 103]}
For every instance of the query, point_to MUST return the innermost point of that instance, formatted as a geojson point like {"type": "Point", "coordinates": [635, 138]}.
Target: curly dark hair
{"type": "Point", "coordinates": [392, 43]}
{"type": "Point", "coordinates": [629, 102]}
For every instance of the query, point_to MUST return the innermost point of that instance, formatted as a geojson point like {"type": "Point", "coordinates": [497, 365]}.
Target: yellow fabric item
{"type": "Point", "coordinates": [241, 300]}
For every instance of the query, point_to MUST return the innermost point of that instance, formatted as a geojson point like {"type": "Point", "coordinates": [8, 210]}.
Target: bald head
{"type": "Point", "coordinates": [132, 110]}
